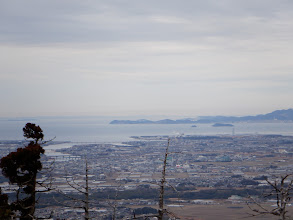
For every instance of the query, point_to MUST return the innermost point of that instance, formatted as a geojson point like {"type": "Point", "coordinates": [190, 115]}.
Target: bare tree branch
{"type": "Point", "coordinates": [84, 190]}
{"type": "Point", "coordinates": [282, 192]}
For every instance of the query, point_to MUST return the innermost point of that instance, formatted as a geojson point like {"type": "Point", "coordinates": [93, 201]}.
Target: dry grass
{"type": "Point", "coordinates": [217, 212]}
{"type": "Point", "coordinates": [221, 211]}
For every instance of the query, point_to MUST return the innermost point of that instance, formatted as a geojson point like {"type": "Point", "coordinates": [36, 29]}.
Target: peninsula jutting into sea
{"type": "Point", "coordinates": [278, 115]}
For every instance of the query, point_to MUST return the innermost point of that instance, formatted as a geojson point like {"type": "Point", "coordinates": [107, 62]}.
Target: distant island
{"type": "Point", "coordinates": [164, 121]}
{"type": "Point", "coordinates": [222, 125]}
{"type": "Point", "coordinates": [275, 116]}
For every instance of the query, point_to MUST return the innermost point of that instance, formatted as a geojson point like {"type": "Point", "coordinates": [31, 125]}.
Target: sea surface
{"type": "Point", "coordinates": [98, 129]}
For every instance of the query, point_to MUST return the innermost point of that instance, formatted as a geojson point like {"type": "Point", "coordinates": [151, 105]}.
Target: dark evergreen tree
{"type": "Point", "coordinates": [5, 209]}
{"type": "Point", "coordinates": [21, 168]}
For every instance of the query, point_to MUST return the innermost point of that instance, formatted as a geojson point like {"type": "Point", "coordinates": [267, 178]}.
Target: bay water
{"type": "Point", "coordinates": [99, 130]}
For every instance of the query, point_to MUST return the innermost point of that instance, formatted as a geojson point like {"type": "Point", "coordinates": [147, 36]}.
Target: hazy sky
{"type": "Point", "coordinates": [145, 57]}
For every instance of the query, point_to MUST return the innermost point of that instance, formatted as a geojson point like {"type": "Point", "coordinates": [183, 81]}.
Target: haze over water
{"type": "Point", "coordinates": [98, 129]}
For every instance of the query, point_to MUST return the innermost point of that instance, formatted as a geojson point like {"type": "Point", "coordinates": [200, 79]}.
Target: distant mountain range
{"type": "Point", "coordinates": [278, 115]}
{"type": "Point", "coordinates": [164, 121]}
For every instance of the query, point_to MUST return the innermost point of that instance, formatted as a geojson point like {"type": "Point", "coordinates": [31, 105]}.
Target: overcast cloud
{"type": "Point", "coordinates": [123, 57]}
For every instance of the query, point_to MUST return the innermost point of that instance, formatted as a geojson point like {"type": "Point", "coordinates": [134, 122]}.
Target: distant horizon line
{"type": "Point", "coordinates": [20, 118]}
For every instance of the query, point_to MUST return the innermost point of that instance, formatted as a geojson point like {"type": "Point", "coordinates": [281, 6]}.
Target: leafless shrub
{"type": "Point", "coordinates": [281, 189]}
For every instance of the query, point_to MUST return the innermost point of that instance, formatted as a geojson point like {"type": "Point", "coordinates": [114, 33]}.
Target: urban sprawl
{"type": "Point", "coordinates": [202, 171]}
